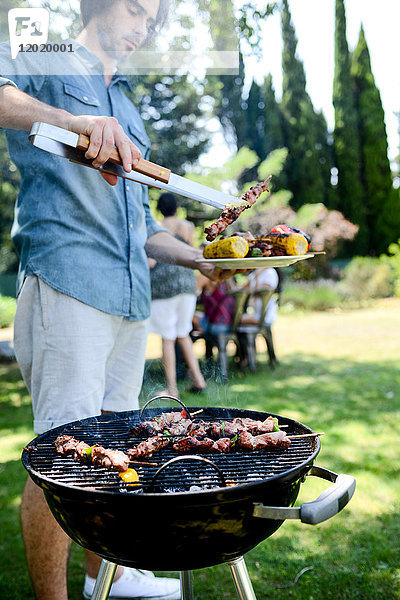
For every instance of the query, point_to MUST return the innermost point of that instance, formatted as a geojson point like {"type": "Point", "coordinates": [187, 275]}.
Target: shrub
{"type": "Point", "coordinates": [394, 263]}
{"type": "Point", "coordinates": [366, 277]}
{"type": "Point", "coordinates": [311, 296]}
{"type": "Point", "coordinates": [8, 307]}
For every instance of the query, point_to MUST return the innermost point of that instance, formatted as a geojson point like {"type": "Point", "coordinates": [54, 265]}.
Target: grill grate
{"type": "Point", "coordinates": [114, 431]}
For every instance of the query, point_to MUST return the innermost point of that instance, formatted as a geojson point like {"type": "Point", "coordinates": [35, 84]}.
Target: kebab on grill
{"type": "Point", "coordinates": [115, 460]}
{"type": "Point", "coordinates": [176, 423]}
{"type": "Point", "coordinates": [243, 439]}
{"type": "Point", "coordinates": [203, 436]}
{"type": "Point", "coordinates": [232, 212]}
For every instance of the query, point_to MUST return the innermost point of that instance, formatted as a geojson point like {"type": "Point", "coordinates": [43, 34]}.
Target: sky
{"type": "Point", "coordinates": [314, 22]}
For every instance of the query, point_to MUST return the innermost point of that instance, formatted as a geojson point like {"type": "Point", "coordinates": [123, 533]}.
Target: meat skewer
{"type": "Point", "coordinates": [148, 447]}
{"type": "Point", "coordinates": [115, 460]}
{"type": "Point", "coordinates": [230, 214]}
{"type": "Point", "coordinates": [304, 435]}
{"type": "Point", "coordinates": [177, 425]}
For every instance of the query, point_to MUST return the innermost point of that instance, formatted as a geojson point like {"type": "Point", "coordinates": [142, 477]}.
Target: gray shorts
{"type": "Point", "coordinates": [75, 360]}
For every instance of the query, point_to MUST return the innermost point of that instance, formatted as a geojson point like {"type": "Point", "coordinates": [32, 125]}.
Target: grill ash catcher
{"type": "Point", "coordinates": [189, 512]}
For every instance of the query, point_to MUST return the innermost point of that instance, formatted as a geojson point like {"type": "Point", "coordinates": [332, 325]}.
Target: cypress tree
{"type": "Point", "coordinates": [304, 177]}
{"type": "Point", "coordinates": [383, 208]}
{"type": "Point", "coordinates": [346, 137]}
{"type": "Point", "coordinates": [272, 125]}
{"type": "Point", "coordinates": [273, 137]}
{"type": "Point", "coordinates": [325, 157]}
{"type": "Point", "coordinates": [254, 132]}
{"type": "Point", "coordinates": [230, 105]}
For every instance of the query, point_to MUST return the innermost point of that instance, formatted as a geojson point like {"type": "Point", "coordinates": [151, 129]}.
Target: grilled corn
{"type": "Point", "coordinates": [292, 243]}
{"type": "Point", "coordinates": [231, 247]}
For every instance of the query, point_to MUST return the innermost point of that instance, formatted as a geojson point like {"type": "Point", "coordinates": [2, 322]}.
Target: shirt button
{"type": "Point", "coordinates": [85, 98]}
{"type": "Point", "coordinates": [130, 226]}
{"type": "Point", "coordinates": [128, 187]}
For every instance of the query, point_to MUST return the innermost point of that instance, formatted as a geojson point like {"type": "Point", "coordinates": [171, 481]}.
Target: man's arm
{"type": "Point", "coordinates": [164, 247]}
{"type": "Point", "coordinates": [19, 111]}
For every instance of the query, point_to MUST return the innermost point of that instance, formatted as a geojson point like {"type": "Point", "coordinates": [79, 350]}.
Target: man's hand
{"type": "Point", "coordinates": [104, 134]}
{"type": "Point", "coordinates": [164, 247]}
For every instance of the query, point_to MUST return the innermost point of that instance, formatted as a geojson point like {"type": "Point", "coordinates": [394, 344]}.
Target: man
{"type": "Point", "coordinates": [84, 291]}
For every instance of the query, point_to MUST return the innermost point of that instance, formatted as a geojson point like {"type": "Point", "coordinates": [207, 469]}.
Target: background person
{"type": "Point", "coordinates": [173, 304]}
{"type": "Point", "coordinates": [83, 284]}
{"type": "Point", "coordinates": [218, 306]}
{"type": "Point", "coordinates": [262, 279]}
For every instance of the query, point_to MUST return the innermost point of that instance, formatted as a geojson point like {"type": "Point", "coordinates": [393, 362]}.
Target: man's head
{"type": "Point", "coordinates": [167, 204]}
{"type": "Point", "coordinates": [124, 25]}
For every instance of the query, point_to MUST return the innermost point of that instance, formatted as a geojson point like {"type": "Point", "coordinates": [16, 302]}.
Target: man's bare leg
{"type": "Point", "coordinates": [186, 345]}
{"type": "Point", "coordinates": [46, 546]}
{"type": "Point", "coordinates": [93, 563]}
{"type": "Point", "coordinates": [169, 364]}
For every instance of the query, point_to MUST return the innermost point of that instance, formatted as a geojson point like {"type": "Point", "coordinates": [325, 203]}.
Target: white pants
{"type": "Point", "coordinates": [75, 360]}
{"type": "Point", "coordinates": [172, 318]}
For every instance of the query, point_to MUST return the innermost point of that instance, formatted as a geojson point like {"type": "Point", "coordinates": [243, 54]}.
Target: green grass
{"type": "Point", "coordinates": [339, 373]}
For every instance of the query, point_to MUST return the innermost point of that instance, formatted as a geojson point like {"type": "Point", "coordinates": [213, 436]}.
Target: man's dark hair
{"type": "Point", "coordinates": [90, 8]}
{"type": "Point", "coordinates": [167, 204]}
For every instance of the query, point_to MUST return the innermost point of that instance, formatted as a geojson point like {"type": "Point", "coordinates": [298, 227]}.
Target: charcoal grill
{"type": "Point", "coordinates": [183, 517]}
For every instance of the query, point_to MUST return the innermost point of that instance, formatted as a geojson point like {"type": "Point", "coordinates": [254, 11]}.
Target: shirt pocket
{"type": "Point", "coordinates": [140, 139]}
{"type": "Point", "coordinates": [80, 101]}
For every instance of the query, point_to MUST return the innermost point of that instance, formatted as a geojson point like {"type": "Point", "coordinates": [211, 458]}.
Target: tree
{"type": "Point", "coordinates": [303, 168]}
{"type": "Point", "coordinates": [230, 105]}
{"type": "Point", "coordinates": [173, 110]}
{"type": "Point", "coordinates": [383, 206]}
{"type": "Point", "coordinates": [273, 121]}
{"type": "Point", "coordinates": [346, 137]}
{"type": "Point", "coordinates": [324, 153]}
{"type": "Point", "coordinates": [9, 183]}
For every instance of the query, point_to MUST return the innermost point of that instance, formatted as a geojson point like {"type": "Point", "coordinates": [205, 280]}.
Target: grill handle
{"type": "Point", "coordinates": [162, 396]}
{"type": "Point", "coordinates": [328, 504]}
{"type": "Point", "coordinates": [192, 457]}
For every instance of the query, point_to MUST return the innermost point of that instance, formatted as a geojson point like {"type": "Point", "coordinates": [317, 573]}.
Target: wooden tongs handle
{"type": "Point", "coordinates": [144, 166]}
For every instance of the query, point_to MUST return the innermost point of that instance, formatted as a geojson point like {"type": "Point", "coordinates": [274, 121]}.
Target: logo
{"type": "Point", "coordinates": [27, 26]}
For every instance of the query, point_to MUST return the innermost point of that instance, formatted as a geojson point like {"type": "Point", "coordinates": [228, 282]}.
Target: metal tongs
{"type": "Point", "coordinates": [73, 146]}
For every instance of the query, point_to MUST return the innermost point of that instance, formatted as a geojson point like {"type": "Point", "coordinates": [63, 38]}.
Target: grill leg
{"type": "Point", "coordinates": [187, 585]}
{"type": "Point", "coordinates": [104, 580]}
{"type": "Point", "coordinates": [241, 579]}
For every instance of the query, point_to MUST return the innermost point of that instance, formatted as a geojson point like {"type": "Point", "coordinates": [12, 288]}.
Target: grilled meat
{"type": "Point", "coordinates": [174, 423]}
{"type": "Point", "coordinates": [180, 426]}
{"type": "Point", "coordinates": [230, 214]}
{"type": "Point", "coordinates": [190, 443]}
{"type": "Point", "coordinates": [200, 436]}
{"type": "Point", "coordinates": [110, 459]}
{"type": "Point", "coordinates": [244, 440]}
{"type": "Point", "coordinates": [67, 445]}
{"type": "Point", "coordinates": [231, 428]}
{"type": "Point", "coordinates": [278, 439]}
{"type": "Point", "coordinates": [148, 447]}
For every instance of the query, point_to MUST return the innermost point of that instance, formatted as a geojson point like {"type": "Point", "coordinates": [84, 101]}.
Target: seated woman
{"type": "Point", "coordinates": [262, 279]}
{"type": "Point", "coordinates": [218, 306]}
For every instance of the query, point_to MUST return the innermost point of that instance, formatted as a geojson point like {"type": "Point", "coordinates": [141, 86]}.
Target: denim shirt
{"type": "Point", "coordinates": [72, 229]}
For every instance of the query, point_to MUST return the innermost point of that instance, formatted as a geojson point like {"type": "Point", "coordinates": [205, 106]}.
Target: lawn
{"type": "Point", "coordinates": [339, 373]}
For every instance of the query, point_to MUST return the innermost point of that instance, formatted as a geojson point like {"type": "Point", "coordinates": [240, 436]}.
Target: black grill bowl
{"type": "Point", "coordinates": [168, 531]}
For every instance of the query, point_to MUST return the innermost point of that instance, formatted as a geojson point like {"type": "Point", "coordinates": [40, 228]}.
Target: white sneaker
{"type": "Point", "coordinates": [141, 585]}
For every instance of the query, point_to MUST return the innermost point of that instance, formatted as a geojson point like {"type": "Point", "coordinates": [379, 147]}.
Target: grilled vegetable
{"type": "Point", "coordinates": [292, 243]}
{"type": "Point", "coordinates": [290, 229]}
{"type": "Point", "coordinates": [231, 247]}
{"type": "Point", "coordinates": [130, 476]}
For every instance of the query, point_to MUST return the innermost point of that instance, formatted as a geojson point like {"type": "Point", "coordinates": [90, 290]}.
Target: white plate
{"type": "Point", "coordinates": [253, 263]}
